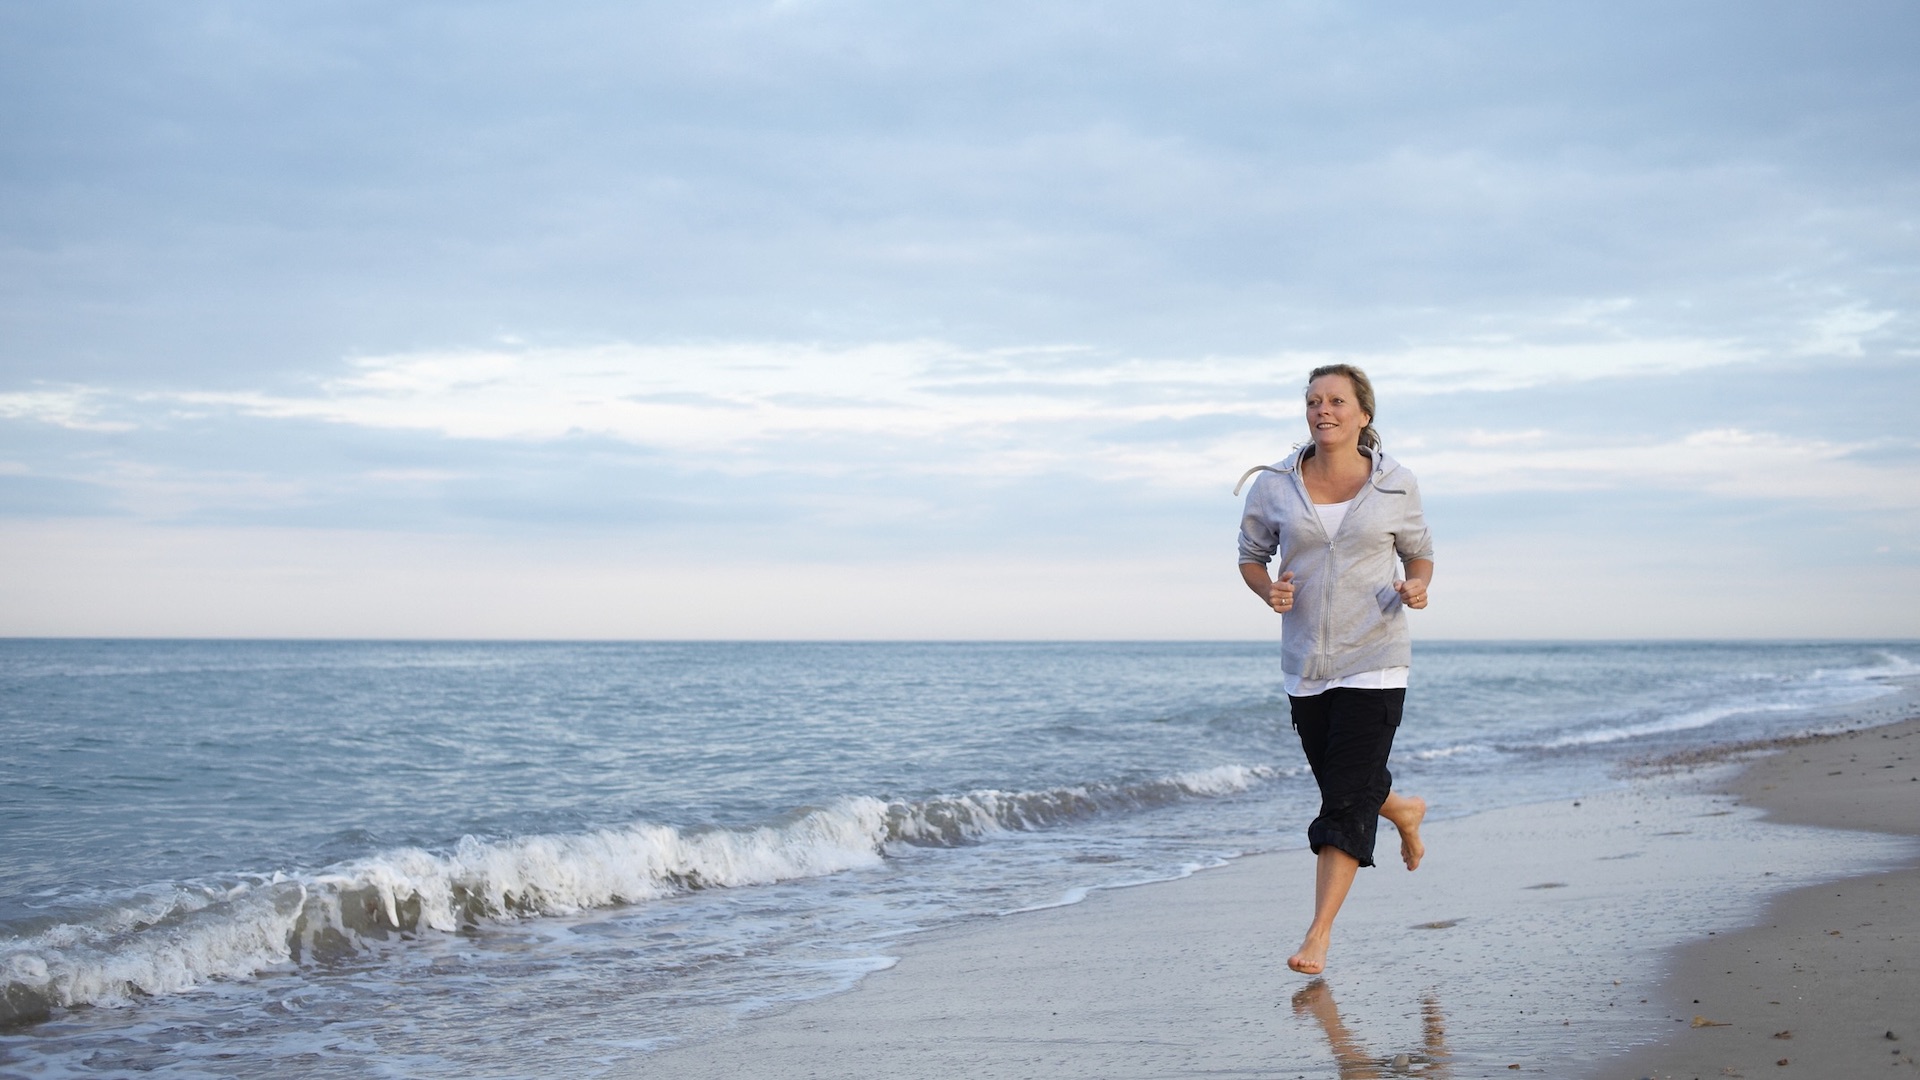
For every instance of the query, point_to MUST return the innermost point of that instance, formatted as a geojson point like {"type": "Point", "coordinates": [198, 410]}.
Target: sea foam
{"type": "Point", "coordinates": [163, 941]}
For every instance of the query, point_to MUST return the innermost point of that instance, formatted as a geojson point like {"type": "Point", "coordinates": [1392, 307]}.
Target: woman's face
{"type": "Point", "coordinates": [1333, 416]}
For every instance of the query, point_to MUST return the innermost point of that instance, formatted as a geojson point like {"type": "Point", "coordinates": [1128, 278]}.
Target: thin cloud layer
{"type": "Point", "coordinates": [914, 412]}
{"type": "Point", "coordinates": [836, 283]}
{"type": "Point", "coordinates": [936, 408]}
{"type": "Point", "coordinates": [242, 189]}
{"type": "Point", "coordinates": [1720, 462]}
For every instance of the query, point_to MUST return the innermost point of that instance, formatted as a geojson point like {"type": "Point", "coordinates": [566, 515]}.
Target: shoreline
{"type": "Point", "coordinates": [1539, 941]}
{"type": "Point", "coordinates": [1828, 982]}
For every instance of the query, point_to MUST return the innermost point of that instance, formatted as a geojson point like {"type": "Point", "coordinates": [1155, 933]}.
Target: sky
{"type": "Point", "coordinates": [849, 320]}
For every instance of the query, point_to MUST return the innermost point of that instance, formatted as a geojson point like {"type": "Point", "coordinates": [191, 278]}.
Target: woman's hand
{"type": "Point", "coordinates": [1280, 596]}
{"type": "Point", "coordinates": [1413, 591]}
{"type": "Point", "coordinates": [1277, 595]}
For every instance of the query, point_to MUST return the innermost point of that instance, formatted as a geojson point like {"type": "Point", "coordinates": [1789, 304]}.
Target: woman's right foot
{"type": "Point", "coordinates": [1312, 957]}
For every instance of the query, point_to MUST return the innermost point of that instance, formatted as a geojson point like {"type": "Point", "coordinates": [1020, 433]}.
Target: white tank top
{"type": "Point", "coordinates": [1332, 514]}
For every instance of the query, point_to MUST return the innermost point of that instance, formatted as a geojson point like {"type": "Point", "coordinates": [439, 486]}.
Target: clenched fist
{"type": "Point", "coordinates": [1281, 595]}
{"type": "Point", "coordinates": [1413, 592]}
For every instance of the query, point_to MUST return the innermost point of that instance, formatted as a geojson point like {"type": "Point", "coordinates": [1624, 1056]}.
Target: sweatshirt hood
{"type": "Point", "coordinates": [1382, 465]}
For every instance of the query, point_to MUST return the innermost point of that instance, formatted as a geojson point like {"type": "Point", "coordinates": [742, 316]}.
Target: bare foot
{"type": "Point", "coordinates": [1407, 812]}
{"type": "Point", "coordinates": [1312, 957]}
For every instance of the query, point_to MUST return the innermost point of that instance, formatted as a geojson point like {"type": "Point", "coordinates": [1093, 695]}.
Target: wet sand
{"type": "Point", "coordinates": [1832, 970]}
{"type": "Point", "coordinates": [1535, 941]}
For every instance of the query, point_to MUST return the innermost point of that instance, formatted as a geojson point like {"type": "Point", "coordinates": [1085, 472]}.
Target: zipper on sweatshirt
{"type": "Point", "coordinates": [1325, 653]}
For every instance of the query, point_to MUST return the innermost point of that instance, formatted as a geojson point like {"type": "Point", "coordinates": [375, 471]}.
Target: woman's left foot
{"type": "Point", "coordinates": [1407, 812]}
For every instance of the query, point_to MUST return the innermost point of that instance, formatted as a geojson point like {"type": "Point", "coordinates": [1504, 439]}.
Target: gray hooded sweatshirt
{"type": "Point", "coordinates": [1346, 616]}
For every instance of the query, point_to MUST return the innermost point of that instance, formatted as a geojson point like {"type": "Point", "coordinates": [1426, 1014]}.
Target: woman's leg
{"type": "Point", "coordinates": [1332, 879]}
{"type": "Point", "coordinates": [1347, 736]}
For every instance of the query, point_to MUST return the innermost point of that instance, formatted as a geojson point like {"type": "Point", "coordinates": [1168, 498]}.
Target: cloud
{"type": "Point", "coordinates": [761, 405]}
{"type": "Point", "coordinates": [76, 408]}
{"type": "Point", "coordinates": [227, 192]}
{"type": "Point", "coordinates": [865, 276]}
{"type": "Point", "coordinates": [1840, 332]}
{"type": "Point", "coordinates": [1724, 462]}
{"type": "Point", "coordinates": [927, 409]}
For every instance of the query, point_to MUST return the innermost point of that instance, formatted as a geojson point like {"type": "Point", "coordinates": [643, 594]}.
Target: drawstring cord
{"type": "Point", "coordinates": [1250, 472]}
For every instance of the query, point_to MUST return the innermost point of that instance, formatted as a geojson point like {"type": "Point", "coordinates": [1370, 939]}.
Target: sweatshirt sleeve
{"type": "Point", "coordinates": [1410, 538]}
{"type": "Point", "coordinates": [1258, 538]}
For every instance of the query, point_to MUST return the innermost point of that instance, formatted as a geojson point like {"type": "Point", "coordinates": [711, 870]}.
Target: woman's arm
{"type": "Point", "coordinates": [1278, 595]}
{"type": "Point", "coordinates": [1413, 591]}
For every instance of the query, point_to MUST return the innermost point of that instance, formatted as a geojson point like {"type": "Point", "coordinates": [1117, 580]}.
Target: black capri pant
{"type": "Point", "coordinates": [1347, 735]}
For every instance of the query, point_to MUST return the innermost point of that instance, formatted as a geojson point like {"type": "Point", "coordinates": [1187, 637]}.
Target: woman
{"type": "Point", "coordinates": [1339, 513]}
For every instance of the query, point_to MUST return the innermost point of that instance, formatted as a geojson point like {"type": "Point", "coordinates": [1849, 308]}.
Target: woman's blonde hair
{"type": "Point", "coordinates": [1362, 396]}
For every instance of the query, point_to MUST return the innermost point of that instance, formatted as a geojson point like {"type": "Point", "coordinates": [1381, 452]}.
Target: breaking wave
{"type": "Point", "coordinates": [171, 939]}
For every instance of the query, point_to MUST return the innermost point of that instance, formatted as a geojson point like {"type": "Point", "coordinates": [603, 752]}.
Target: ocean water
{"type": "Point", "coordinates": [453, 859]}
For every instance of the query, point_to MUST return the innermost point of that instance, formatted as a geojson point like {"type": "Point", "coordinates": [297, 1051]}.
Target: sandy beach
{"type": "Point", "coordinates": [1575, 938]}
{"type": "Point", "coordinates": [1828, 984]}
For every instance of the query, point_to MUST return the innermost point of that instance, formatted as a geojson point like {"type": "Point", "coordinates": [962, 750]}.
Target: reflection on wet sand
{"type": "Point", "coordinates": [1352, 1056]}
